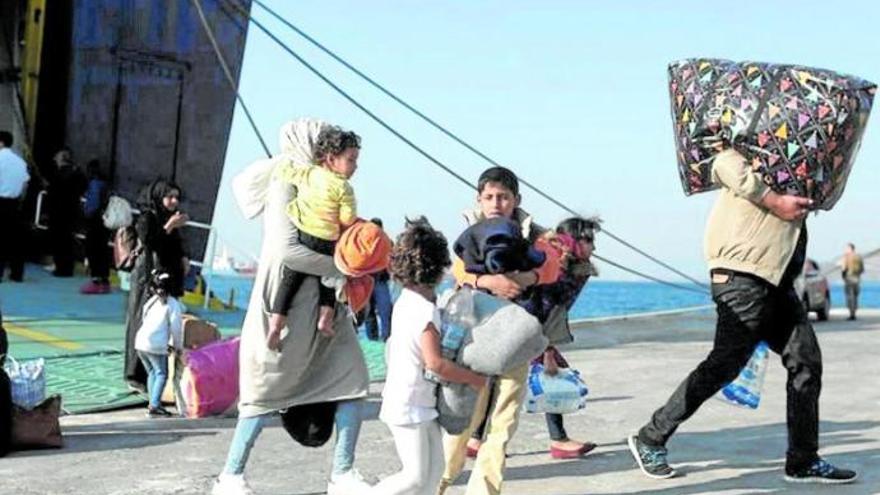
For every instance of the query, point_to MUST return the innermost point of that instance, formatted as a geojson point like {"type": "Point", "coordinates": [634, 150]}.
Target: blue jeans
{"type": "Point", "coordinates": [157, 373]}
{"type": "Point", "coordinates": [382, 301]}
{"type": "Point", "coordinates": [348, 426]}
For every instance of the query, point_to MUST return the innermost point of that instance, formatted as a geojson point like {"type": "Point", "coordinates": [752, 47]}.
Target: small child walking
{"type": "Point", "coordinates": [409, 405]}
{"type": "Point", "coordinates": [162, 323]}
{"type": "Point", "coordinates": [323, 207]}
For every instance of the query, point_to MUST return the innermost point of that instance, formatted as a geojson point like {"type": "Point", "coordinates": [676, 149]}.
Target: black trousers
{"type": "Point", "coordinates": [11, 246]}
{"type": "Point", "coordinates": [750, 310]}
{"type": "Point", "coordinates": [97, 250]}
{"type": "Point", "coordinates": [292, 280]}
{"type": "Point", "coordinates": [61, 229]}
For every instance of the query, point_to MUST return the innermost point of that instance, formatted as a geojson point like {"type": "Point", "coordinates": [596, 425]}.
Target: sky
{"type": "Point", "coordinates": [571, 95]}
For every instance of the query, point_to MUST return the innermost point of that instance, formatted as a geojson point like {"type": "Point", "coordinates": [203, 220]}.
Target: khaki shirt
{"type": "Point", "coordinates": [740, 234]}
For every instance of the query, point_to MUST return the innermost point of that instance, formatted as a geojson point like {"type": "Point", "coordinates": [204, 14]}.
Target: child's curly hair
{"type": "Point", "coordinates": [420, 254]}
{"type": "Point", "coordinates": [332, 140]}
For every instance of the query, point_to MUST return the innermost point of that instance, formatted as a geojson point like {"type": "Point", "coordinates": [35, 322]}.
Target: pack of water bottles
{"type": "Point", "coordinates": [457, 318]}
{"type": "Point", "coordinates": [745, 390]}
{"type": "Point", "coordinates": [562, 393]}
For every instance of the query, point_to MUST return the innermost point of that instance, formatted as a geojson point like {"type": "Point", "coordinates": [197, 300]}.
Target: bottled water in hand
{"type": "Point", "coordinates": [457, 319]}
{"type": "Point", "coordinates": [745, 390]}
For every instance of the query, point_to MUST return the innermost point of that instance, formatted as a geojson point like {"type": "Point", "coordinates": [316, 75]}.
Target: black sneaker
{"type": "Point", "coordinates": [821, 471]}
{"type": "Point", "coordinates": [651, 460]}
{"type": "Point", "coordinates": [158, 412]}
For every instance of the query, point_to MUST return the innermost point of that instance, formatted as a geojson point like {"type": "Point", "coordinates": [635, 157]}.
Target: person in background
{"type": "Point", "coordinates": [161, 324]}
{"type": "Point", "coordinates": [158, 235]}
{"type": "Point", "coordinates": [97, 235]}
{"type": "Point", "coordinates": [852, 268]}
{"type": "Point", "coordinates": [66, 186]}
{"type": "Point", "coordinates": [14, 178]}
{"type": "Point", "coordinates": [378, 319]}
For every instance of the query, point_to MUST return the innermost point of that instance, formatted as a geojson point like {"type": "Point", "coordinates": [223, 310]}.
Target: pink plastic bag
{"type": "Point", "coordinates": [209, 383]}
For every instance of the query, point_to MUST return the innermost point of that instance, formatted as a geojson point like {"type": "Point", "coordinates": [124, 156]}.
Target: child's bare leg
{"type": "Point", "coordinates": [276, 323]}
{"type": "Point", "coordinates": [325, 320]}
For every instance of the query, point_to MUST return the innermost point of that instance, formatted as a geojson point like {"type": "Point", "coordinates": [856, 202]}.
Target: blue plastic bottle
{"type": "Point", "coordinates": [457, 320]}
{"type": "Point", "coordinates": [745, 390]}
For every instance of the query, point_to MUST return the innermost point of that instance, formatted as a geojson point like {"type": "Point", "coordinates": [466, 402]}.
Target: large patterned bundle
{"type": "Point", "coordinates": [799, 127]}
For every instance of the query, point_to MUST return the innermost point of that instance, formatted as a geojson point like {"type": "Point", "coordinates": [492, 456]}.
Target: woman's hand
{"type": "Point", "coordinates": [500, 285]}
{"type": "Point", "coordinates": [177, 220]}
{"type": "Point", "coordinates": [550, 366]}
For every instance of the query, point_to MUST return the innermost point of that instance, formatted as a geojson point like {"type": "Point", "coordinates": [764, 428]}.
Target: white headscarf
{"type": "Point", "coordinates": [296, 139]}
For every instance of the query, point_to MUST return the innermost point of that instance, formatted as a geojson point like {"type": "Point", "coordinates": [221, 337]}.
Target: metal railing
{"type": "Point", "coordinates": [206, 265]}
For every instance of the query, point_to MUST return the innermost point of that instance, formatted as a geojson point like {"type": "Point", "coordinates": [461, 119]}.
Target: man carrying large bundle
{"type": "Point", "coordinates": [756, 237]}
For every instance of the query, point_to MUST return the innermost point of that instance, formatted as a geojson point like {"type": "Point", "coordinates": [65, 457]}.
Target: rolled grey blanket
{"type": "Point", "coordinates": [505, 337]}
{"type": "Point", "coordinates": [508, 338]}
{"type": "Point", "coordinates": [455, 405]}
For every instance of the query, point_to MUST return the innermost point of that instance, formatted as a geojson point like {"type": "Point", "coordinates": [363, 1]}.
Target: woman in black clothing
{"type": "Point", "coordinates": [161, 245]}
{"type": "Point", "coordinates": [5, 396]}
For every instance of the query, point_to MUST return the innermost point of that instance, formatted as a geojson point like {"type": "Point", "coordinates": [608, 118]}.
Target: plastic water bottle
{"type": "Point", "coordinates": [745, 390]}
{"type": "Point", "coordinates": [457, 319]}
{"type": "Point", "coordinates": [535, 391]}
{"type": "Point", "coordinates": [562, 393]}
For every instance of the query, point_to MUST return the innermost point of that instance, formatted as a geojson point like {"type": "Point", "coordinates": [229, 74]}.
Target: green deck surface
{"type": "Point", "coordinates": [82, 338]}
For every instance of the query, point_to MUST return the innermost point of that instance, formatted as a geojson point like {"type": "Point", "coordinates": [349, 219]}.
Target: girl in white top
{"type": "Point", "coordinates": [409, 405]}
{"type": "Point", "coordinates": [162, 323]}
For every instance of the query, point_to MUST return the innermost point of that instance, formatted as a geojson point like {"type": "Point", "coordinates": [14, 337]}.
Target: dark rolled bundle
{"type": "Point", "coordinates": [310, 425]}
{"type": "Point", "coordinates": [799, 127]}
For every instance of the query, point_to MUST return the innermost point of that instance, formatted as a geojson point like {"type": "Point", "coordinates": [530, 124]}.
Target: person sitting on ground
{"type": "Point", "coordinates": [323, 207]}
{"type": "Point", "coordinates": [162, 322]}
{"type": "Point", "coordinates": [409, 401]}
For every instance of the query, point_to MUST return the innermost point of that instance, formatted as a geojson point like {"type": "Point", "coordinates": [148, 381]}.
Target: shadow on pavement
{"type": "Point", "coordinates": [759, 450]}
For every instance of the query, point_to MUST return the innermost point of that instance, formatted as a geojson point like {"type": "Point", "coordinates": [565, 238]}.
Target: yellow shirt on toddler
{"type": "Point", "coordinates": [324, 204]}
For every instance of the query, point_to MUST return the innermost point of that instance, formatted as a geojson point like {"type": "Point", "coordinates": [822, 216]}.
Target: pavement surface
{"type": "Point", "coordinates": [82, 337]}
{"type": "Point", "coordinates": [631, 366]}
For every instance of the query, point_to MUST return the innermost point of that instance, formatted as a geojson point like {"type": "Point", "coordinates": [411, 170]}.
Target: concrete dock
{"type": "Point", "coordinates": [631, 366]}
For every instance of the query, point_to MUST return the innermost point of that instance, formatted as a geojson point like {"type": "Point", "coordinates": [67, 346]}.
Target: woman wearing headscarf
{"type": "Point", "coordinates": [309, 369]}
{"type": "Point", "coordinates": [161, 247]}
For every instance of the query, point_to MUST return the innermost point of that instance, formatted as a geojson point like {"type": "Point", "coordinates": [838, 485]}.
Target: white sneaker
{"type": "Point", "coordinates": [231, 484]}
{"type": "Point", "coordinates": [348, 483]}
